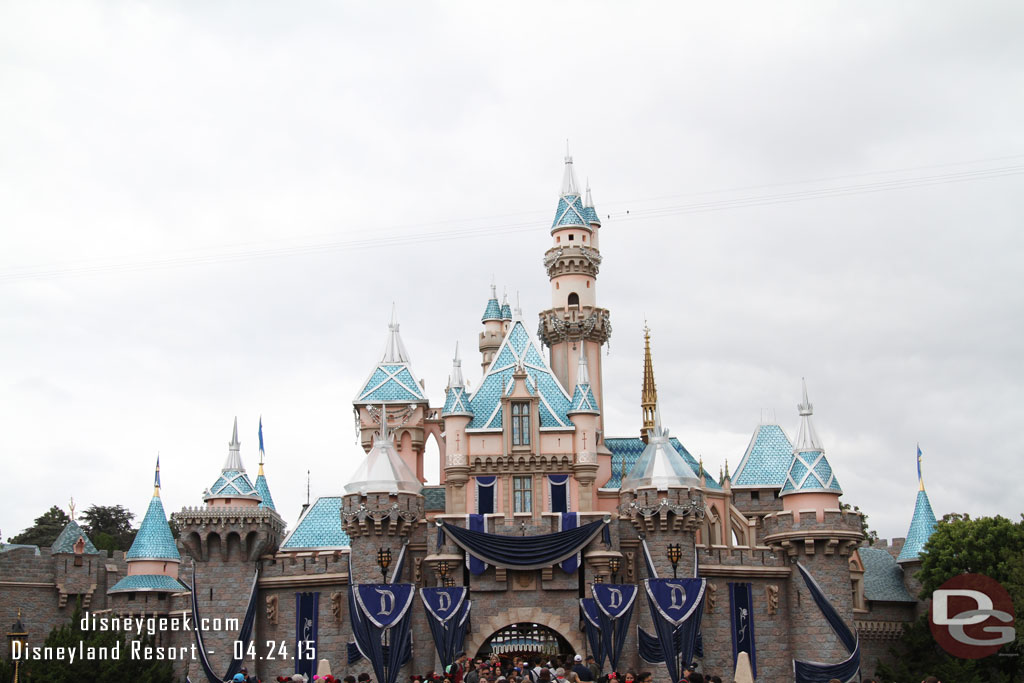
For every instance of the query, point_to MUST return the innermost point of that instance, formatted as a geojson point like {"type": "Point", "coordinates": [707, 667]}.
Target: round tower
{"type": "Point", "coordinates": [812, 529]}
{"type": "Point", "coordinates": [585, 416]}
{"type": "Point", "coordinates": [494, 329]}
{"type": "Point", "coordinates": [456, 415]}
{"type": "Point", "coordinates": [575, 325]}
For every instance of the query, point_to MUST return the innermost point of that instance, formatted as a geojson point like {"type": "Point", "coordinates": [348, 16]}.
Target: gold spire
{"type": "Point", "coordinates": [648, 393]}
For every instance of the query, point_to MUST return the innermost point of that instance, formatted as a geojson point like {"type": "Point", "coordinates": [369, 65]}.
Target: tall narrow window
{"type": "Point", "coordinates": [520, 423]}
{"type": "Point", "coordinates": [522, 494]}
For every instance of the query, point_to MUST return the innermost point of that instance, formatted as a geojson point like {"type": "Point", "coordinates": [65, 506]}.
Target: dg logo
{"type": "Point", "coordinates": [971, 616]}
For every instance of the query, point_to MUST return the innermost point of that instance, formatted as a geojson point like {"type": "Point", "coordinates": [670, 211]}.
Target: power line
{"type": "Point", "coordinates": [377, 238]}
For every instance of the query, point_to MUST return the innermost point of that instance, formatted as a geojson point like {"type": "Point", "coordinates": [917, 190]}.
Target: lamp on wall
{"type": "Point", "coordinates": [613, 565]}
{"type": "Point", "coordinates": [384, 561]}
{"type": "Point", "coordinates": [675, 553]}
{"type": "Point", "coordinates": [19, 635]}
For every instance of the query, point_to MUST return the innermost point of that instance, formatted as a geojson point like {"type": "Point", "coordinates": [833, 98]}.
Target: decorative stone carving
{"type": "Point", "coordinates": [337, 598]}
{"type": "Point", "coordinates": [456, 459]}
{"type": "Point", "coordinates": [711, 597]}
{"type": "Point", "coordinates": [272, 609]}
{"type": "Point", "coordinates": [772, 595]}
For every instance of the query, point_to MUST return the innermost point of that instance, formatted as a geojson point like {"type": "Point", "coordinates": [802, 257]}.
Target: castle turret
{"type": "Point", "coordinates": [575, 324]}
{"type": "Point", "coordinates": [457, 415]}
{"type": "Point", "coordinates": [810, 482]}
{"type": "Point", "coordinates": [79, 576]}
{"type": "Point", "coordinates": [393, 395]}
{"type": "Point", "coordinates": [494, 329]}
{"type": "Point", "coordinates": [506, 314]}
{"type": "Point", "coordinates": [585, 416]}
{"type": "Point", "coordinates": [225, 538]}
{"type": "Point", "coordinates": [153, 559]}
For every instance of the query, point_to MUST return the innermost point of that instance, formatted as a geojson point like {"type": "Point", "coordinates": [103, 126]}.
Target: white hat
{"type": "Point", "coordinates": [578, 658]}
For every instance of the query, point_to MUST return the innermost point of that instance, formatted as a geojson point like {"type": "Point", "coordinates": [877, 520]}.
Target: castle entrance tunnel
{"type": "Point", "coordinates": [527, 640]}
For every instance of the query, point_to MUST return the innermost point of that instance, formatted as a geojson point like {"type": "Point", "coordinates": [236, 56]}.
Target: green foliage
{"type": "Point", "coordinates": [46, 529]}
{"type": "Point", "coordinates": [109, 526]}
{"type": "Point", "coordinates": [870, 535]}
{"type": "Point", "coordinates": [96, 671]}
{"type": "Point", "coordinates": [993, 546]}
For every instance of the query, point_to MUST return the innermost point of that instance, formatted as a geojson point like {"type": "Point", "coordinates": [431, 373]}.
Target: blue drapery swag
{"type": "Point", "coordinates": [817, 672]}
{"type": "Point", "coordinates": [569, 520]}
{"type": "Point", "coordinates": [741, 620]}
{"type": "Point", "coordinates": [244, 633]}
{"type": "Point", "coordinates": [615, 612]}
{"type": "Point", "coordinates": [592, 625]}
{"type": "Point", "coordinates": [475, 565]}
{"type": "Point", "coordinates": [307, 624]}
{"type": "Point", "coordinates": [676, 609]}
{"type": "Point", "coordinates": [384, 612]}
{"type": "Point", "coordinates": [447, 614]}
{"type": "Point", "coordinates": [525, 552]}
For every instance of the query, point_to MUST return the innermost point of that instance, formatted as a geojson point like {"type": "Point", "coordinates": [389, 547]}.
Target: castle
{"type": "Point", "coordinates": [525, 446]}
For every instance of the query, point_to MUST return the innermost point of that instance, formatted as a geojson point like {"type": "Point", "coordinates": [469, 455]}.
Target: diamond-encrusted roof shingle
{"type": "Point", "coordinates": [456, 400]}
{"type": "Point", "coordinates": [766, 459]}
{"type": "Point", "coordinates": [319, 527]}
{"type": "Point", "coordinates": [519, 348]}
{"type": "Point", "coordinates": [493, 309]}
{"type": "Point", "coordinates": [583, 400]}
{"type": "Point", "coordinates": [232, 484]}
{"type": "Point", "coordinates": [392, 380]}
{"type": "Point", "coordinates": [154, 540]}
{"type": "Point", "coordinates": [628, 449]}
{"type": "Point", "coordinates": [266, 501]}
{"type": "Point", "coordinates": [147, 582]}
{"type": "Point", "coordinates": [589, 212]}
{"type": "Point", "coordinates": [434, 498]}
{"type": "Point", "coordinates": [570, 212]}
{"type": "Point", "coordinates": [67, 539]}
{"type": "Point", "coordinates": [883, 578]}
{"type": "Point", "coordinates": [921, 527]}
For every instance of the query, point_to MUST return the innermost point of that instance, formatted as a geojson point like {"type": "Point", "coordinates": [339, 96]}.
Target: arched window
{"type": "Point", "coordinates": [574, 299]}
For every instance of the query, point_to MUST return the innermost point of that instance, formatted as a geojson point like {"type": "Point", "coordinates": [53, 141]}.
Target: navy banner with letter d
{"type": "Point", "coordinates": [741, 618]}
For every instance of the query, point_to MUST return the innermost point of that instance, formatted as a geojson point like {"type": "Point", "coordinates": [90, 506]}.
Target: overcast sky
{"type": "Point", "coordinates": [207, 210]}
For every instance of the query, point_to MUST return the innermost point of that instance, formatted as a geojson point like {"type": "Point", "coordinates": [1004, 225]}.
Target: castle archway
{"type": "Point", "coordinates": [498, 624]}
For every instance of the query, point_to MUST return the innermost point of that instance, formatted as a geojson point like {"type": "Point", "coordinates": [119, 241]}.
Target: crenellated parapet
{"type": "Point", "coordinates": [207, 532]}
{"type": "Point", "coordinates": [564, 260]}
{"type": "Point", "coordinates": [381, 514]}
{"type": "Point", "coordinates": [832, 531]}
{"type": "Point", "coordinates": [674, 510]}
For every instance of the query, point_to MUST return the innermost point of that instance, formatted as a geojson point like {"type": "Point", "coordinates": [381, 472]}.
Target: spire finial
{"type": "Point", "coordinates": [589, 201]}
{"type": "Point", "coordinates": [805, 408]}
{"type": "Point", "coordinates": [807, 440]}
{"type": "Point", "coordinates": [648, 390]}
{"type": "Point", "coordinates": [569, 184]}
{"type": "Point", "coordinates": [582, 370]}
{"type": "Point", "coordinates": [156, 477]}
{"type": "Point", "coordinates": [517, 314]}
{"type": "Point", "coordinates": [456, 379]}
{"type": "Point", "coordinates": [727, 468]}
{"type": "Point", "coordinates": [235, 444]}
{"type": "Point", "coordinates": [920, 479]}
{"type": "Point", "coordinates": [261, 444]}
{"type": "Point", "coordinates": [234, 459]}
{"type": "Point", "coordinates": [394, 315]}
{"type": "Point", "coordinates": [71, 508]}
{"type": "Point", "coordinates": [394, 350]}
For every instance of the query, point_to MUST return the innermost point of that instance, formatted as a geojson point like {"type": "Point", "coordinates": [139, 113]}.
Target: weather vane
{"type": "Point", "coordinates": [71, 507]}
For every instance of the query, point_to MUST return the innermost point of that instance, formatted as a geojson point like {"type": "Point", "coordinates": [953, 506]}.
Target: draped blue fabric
{"type": "Point", "coordinates": [651, 571]}
{"type": "Point", "coordinates": [485, 495]}
{"type": "Point", "coordinates": [676, 609]}
{"type": "Point", "coordinates": [569, 521]}
{"type": "Point", "coordinates": [307, 622]}
{"type": "Point", "coordinates": [211, 677]}
{"type": "Point", "coordinates": [650, 647]}
{"type": "Point", "coordinates": [475, 564]}
{"type": "Point", "coordinates": [354, 655]}
{"type": "Point", "coordinates": [384, 614]}
{"type": "Point", "coordinates": [592, 626]}
{"type": "Point", "coordinates": [559, 490]}
{"type": "Point", "coordinates": [359, 629]}
{"type": "Point", "coordinates": [815, 672]}
{"type": "Point", "coordinates": [396, 571]}
{"type": "Point", "coordinates": [615, 612]}
{"type": "Point", "coordinates": [447, 613]}
{"type": "Point", "coordinates": [524, 552]}
{"type": "Point", "coordinates": [245, 632]}
{"type": "Point", "coordinates": [741, 621]}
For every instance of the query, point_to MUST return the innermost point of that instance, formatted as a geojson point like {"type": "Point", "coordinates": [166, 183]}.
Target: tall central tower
{"type": "Point", "coordinates": [574, 324]}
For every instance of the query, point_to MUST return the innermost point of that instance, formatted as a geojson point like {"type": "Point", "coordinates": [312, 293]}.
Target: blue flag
{"type": "Point", "coordinates": [261, 435]}
{"type": "Point", "coordinates": [156, 479]}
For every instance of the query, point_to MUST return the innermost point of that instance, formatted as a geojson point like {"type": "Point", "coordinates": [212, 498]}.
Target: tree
{"type": "Point", "coordinates": [993, 546]}
{"type": "Point", "coordinates": [46, 529]}
{"type": "Point", "coordinates": [109, 526]}
{"type": "Point", "coordinates": [870, 535]}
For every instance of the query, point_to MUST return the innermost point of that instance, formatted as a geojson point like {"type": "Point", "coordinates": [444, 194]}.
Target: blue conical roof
{"type": "Point", "coordinates": [392, 380]}
{"type": "Point", "coordinates": [154, 540]}
{"type": "Point", "coordinates": [583, 400]}
{"type": "Point", "coordinates": [261, 488]}
{"type": "Point", "coordinates": [921, 527]}
{"type": "Point", "coordinates": [766, 460]}
{"type": "Point", "coordinates": [809, 470]}
{"type": "Point", "coordinates": [493, 309]}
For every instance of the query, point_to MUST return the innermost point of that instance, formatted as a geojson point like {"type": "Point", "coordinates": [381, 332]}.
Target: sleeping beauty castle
{"type": "Point", "coordinates": [545, 536]}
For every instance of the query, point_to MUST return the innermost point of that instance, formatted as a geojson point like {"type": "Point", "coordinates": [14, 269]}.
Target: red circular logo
{"type": "Point", "coordinates": [971, 616]}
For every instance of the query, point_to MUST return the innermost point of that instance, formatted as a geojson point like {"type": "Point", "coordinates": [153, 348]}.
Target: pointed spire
{"type": "Point", "coordinates": [648, 390]}
{"type": "Point", "coordinates": [394, 351]}
{"type": "Point", "coordinates": [920, 479]}
{"type": "Point", "coordinates": [569, 184]}
{"type": "Point", "coordinates": [156, 478]}
{"type": "Point", "coordinates": [506, 310]}
{"type": "Point", "coordinates": [456, 379]}
{"type": "Point", "coordinates": [582, 372]}
{"type": "Point", "coordinates": [234, 459]}
{"type": "Point", "coordinates": [807, 439]}
{"type": "Point", "coordinates": [588, 202]}
{"type": "Point", "coordinates": [261, 486]}
{"type": "Point", "coordinates": [583, 400]}
{"type": "Point", "coordinates": [921, 525]}
{"type": "Point", "coordinates": [517, 312]}
{"type": "Point", "coordinates": [493, 309]}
